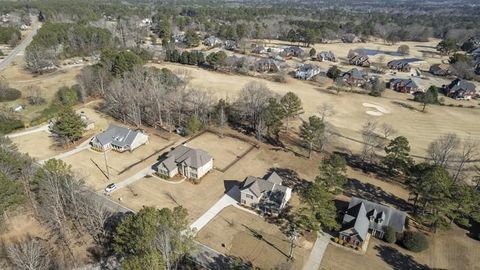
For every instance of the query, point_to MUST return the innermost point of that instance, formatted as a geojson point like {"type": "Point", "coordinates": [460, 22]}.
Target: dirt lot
{"type": "Point", "coordinates": [39, 145]}
{"type": "Point", "coordinates": [223, 150]}
{"type": "Point", "coordinates": [232, 232]}
{"type": "Point", "coordinates": [448, 250]}
{"type": "Point", "coordinates": [91, 164]}
{"type": "Point", "coordinates": [420, 128]}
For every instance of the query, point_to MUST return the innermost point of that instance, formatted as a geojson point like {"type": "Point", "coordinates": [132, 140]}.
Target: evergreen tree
{"type": "Point", "coordinates": [311, 133]}
{"type": "Point", "coordinates": [398, 155]}
{"type": "Point", "coordinates": [319, 211]}
{"type": "Point", "coordinates": [292, 105]}
{"type": "Point", "coordinates": [332, 173]}
{"type": "Point", "coordinates": [273, 115]}
{"type": "Point", "coordinates": [68, 127]}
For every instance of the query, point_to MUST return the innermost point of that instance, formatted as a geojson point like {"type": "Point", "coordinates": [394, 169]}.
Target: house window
{"type": "Point", "coordinates": [249, 196]}
{"type": "Point", "coordinates": [244, 202]}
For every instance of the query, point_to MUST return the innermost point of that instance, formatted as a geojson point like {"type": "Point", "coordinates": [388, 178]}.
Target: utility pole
{"type": "Point", "coordinates": [106, 164]}
{"type": "Point", "coordinates": [293, 234]}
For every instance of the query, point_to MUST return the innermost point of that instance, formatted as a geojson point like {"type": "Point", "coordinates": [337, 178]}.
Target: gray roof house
{"type": "Point", "coordinates": [267, 65]}
{"type": "Point", "coordinates": [266, 194]}
{"type": "Point", "coordinates": [119, 138]}
{"type": "Point", "coordinates": [363, 217]}
{"type": "Point", "coordinates": [212, 41]}
{"type": "Point", "coordinates": [189, 162]}
{"type": "Point", "coordinates": [460, 89]}
{"type": "Point", "coordinates": [307, 71]}
{"type": "Point", "coordinates": [326, 56]}
{"type": "Point", "coordinates": [355, 77]}
{"type": "Point", "coordinates": [400, 65]}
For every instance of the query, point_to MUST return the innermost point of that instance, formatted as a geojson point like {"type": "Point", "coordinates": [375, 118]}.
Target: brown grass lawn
{"type": "Point", "coordinates": [448, 250]}
{"type": "Point", "coordinates": [232, 232]}
{"type": "Point", "coordinates": [84, 162]}
{"type": "Point", "coordinates": [223, 150]}
{"type": "Point", "coordinates": [39, 145]}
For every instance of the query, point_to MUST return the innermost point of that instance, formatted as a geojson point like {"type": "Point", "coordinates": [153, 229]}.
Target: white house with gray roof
{"type": "Point", "coordinates": [363, 217]}
{"type": "Point", "coordinates": [189, 162]}
{"type": "Point", "coordinates": [267, 194]}
{"type": "Point", "coordinates": [119, 138]}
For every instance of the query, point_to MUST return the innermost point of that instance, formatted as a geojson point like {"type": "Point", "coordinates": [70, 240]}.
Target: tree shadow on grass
{"type": "Point", "coordinates": [400, 261]}
{"type": "Point", "coordinates": [373, 193]}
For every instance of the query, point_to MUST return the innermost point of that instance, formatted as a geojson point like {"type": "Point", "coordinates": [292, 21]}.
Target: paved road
{"type": "Point", "coordinates": [25, 42]}
{"type": "Point", "coordinates": [316, 255]}
{"type": "Point", "coordinates": [28, 131]}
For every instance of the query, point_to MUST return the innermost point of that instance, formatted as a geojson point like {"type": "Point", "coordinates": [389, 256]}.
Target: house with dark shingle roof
{"type": "Point", "coordinates": [355, 77]}
{"type": "Point", "coordinates": [460, 89]}
{"type": "Point", "coordinates": [360, 60]}
{"type": "Point", "coordinates": [266, 194]}
{"type": "Point", "coordinates": [326, 56]}
{"type": "Point", "coordinates": [400, 65]}
{"type": "Point", "coordinates": [189, 162]}
{"type": "Point", "coordinates": [364, 217]}
{"type": "Point", "coordinates": [409, 86]}
{"type": "Point", "coordinates": [119, 138]}
{"type": "Point", "coordinates": [440, 70]}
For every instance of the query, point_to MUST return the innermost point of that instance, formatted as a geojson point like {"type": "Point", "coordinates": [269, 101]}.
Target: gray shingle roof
{"type": "Point", "coordinates": [118, 136]}
{"type": "Point", "coordinates": [363, 215]}
{"type": "Point", "coordinates": [194, 158]}
{"type": "Point", "coordinates": [259, 185]}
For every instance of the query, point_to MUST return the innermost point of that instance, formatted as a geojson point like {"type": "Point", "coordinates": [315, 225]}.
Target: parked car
{"type": "Point", "coordinates": [111, 187]}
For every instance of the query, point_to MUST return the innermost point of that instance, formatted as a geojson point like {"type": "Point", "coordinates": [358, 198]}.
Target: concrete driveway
{"type": "Point", "coordinates": [230, 198]}
{"type": "Point", "coordinates": [316, 255]}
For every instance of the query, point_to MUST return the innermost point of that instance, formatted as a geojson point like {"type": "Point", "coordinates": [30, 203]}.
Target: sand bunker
{"type": "Point", "coordinates": [378, 110]}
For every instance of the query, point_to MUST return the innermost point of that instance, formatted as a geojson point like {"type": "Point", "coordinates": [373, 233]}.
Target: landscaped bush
{"type": "Point", "coordinates": [415, 241]}
{"type": "Point", "coordinates": [390, 235]}
{"type": "Point", "coordinates": [9, 94]}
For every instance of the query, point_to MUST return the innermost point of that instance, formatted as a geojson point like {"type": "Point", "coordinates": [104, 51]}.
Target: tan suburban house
{"type": "Point", "coordinates": [267, 195]}
{"type": "Point", "coordinates": [119, 138]}
{"type": "Point", "coordinates": [189, 162]}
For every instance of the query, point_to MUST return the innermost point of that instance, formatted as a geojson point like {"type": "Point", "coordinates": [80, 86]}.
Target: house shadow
{"type": "Point", "coordinates": [229, 184]}
{"type": "Point", "coordinates": [373, 193]}
{"type": "Point", "coordinates": [290, 178]}
{"type": "Point", "coordinates": [399, 261]}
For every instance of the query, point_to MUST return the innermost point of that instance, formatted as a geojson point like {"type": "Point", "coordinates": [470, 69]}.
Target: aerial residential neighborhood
{"type": "Point", "coordinates": [240, 135]}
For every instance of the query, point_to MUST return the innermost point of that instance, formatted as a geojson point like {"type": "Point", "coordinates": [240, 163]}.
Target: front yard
{"type": "Point", "coordinates": [236, 232]}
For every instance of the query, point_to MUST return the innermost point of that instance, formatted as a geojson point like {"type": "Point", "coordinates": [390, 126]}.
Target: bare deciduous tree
{"type": "Point", "coordinates": [370, 141]}
{"type": "Point", "coordinates": [442, 150]}
{"type": "Point", "coordinates": [252, 101]}
{"type": "Point", "coordinates": [388, 130]}
{"type": "Point", "coordinates": [31, 254]}
{"type": "Point", "coordinates": [468, 151]}
{"type": "Point", "coordinates": [326, 110]}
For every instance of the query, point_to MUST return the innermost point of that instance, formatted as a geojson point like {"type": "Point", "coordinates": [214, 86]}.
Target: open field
{"type": "Point", "coordinates": [448, 250]}
{"type": "Point", "coordinates": [39, 145]}
{"type": "Point", "coordinates": [420, 128]}
{"type": "Point", "coordinates": [91, 164]}
{"type": "Point", "coordinates": [223, 150]}
{"type": "Point", "coordinates": [232, 232]}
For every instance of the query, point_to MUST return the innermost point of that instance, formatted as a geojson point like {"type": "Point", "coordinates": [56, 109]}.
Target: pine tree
{"type": "Point", "coordinates": [69, 126]}
{"type": "Point", "coordinates": [292, 106]}
{"type": "Point", "coordinates": [311, 133]}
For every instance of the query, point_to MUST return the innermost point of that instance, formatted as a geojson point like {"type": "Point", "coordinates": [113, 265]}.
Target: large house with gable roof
{"type": "Point", "coordinates": [189, 162]}
{"type": "Point", "coordinates": [364, 217]}
{"type": "Point", "coordinates": [266, 194]}
{"type": "Point", "coordinates": [119, 138]}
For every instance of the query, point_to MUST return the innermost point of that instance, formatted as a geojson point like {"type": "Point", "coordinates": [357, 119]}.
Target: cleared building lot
{"type": "Point", "coordinates": [224, 150]}
{"type": "Point", "coordinates": [39, 145]}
